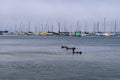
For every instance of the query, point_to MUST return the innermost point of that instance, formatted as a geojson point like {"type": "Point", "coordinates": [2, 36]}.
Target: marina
{"type": "Point", "coordinates": [59, 40]}
{"type": "Point", "coordinates": [65, 29]}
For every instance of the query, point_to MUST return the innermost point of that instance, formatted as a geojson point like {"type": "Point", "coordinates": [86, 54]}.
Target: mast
{"type": "Point", "coordinates": [15, 28]}
{"type": "Point", "coordinates": [71, 28]}
{"type": "Point", "coordinates": [52, 27]}
{"type": "Point", "coordinates": [24, 29]}
{"type": "Point", "coordinates": [115, 25]}
{"type": "Point", "coordinates": [78, 26]}
{"type": "Point", "coordinates": [85, 27]}
{"type": "Point", "coordinates": [97, 26]}
{"type": "Point", "coordinates": [29, 26]}
{"type": "Point", "coordinates": [42, 28]}
{"type": "Point", "coordinates": [39, 28]}
{"type": "Point", "coordinates": [48, 28]}
{"type": "Point", "coordinates": [21, 25]}
{"type": "Point", "coordinates": [94, 27]}
{"type": "Point", "coordinates": [65, 28]}
{"type": "Point", "coordinates": [104, 24]}
{"type": "Point", "coordinates": [36, 29]}
{"type": "Point", "coordinates": [59, 27]}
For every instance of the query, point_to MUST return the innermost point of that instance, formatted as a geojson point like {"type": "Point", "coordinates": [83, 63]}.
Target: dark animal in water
{"type": "Point", "coordinates": [71, 48]}
{"type": "Point", "coordinates": [67, 48]}
{"type": "Point", "coordinates": [64, 46]}
{"type": "Point", "coordinates": [78, 52]}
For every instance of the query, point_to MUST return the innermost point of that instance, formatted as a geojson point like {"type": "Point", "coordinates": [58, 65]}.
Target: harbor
{"type": "Point", "coordinates": [41, 57]}
{"type": "Point", "coordinates": [59, 40]}
{"type": "Point", "coordinates": [79, 29]}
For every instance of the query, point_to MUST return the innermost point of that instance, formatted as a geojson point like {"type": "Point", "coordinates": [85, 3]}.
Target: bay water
{"type": "Point", "coordinates": [41, 58]}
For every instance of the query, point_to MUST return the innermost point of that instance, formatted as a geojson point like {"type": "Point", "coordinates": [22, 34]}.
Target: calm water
{"type": "Point", "coordinates": [41, 58]}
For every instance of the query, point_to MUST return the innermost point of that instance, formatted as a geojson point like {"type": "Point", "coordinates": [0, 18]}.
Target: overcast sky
{"type": "Point", "coordinates": [16, 11]}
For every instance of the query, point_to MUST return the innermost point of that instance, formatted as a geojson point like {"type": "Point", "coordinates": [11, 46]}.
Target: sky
{"type": "Point", "coordinates": [37, 12]}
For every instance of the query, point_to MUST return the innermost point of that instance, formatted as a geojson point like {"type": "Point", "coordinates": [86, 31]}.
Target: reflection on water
{"type": "Point", "coordinates": [41, 58]}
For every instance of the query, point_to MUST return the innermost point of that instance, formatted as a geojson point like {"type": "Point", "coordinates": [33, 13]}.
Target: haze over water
{"type": "Point", "coordinates": [41, 58]}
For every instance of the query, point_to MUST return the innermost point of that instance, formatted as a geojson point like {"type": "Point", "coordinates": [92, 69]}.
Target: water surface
{"type": "Point", "coordinates": [41, 58]}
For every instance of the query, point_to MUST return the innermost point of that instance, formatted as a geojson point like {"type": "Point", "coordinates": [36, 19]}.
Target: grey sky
{"type": "Point", "coordinates": [16, 11]}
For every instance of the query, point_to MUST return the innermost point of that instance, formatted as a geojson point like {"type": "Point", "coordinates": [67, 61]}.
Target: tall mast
{"type": "Point", "coordinates": [29, 26]}
{"type": "Point", "coordinates": [36, 29]}
{"type": "Point", "coordinates": [97, 26]}
{"type": "Point", "coordinates": [104, 24]}
{"type": "Point", "coordinates": [42, 28]}
{"type": "Point", "coordinates": [115, 25]}
{"type": "Point", "coordinates": [24, 28]}
{"type": "Point", "coordinates": [52, 27]}
{"type": "Point", "coordinates": [48, 28]}
{"type": "Point", "coordinates": [85, 27]}
{"type": "Point", "coordinates": [78, 26]}
{"type": "Point", "coordinates": [65, 28]}
{"type": "Point", "coordinates": [39, 28]}
{"type": "Point", "coordinates": [71, 28]}
{"type": "Point", "coordinates": [15, 28]}
{"type": "Point", "coordinates": [21, 25]}
{"type": "Point", "coordinates": [94, 27]}
{"type": "Point", "coordinates": [59, 26]}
